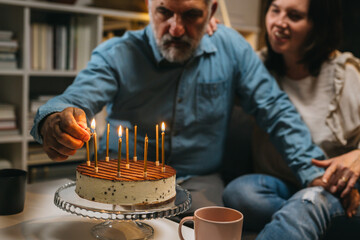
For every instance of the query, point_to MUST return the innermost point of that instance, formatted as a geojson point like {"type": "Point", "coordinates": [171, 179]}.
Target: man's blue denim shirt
{"type": "Point", "coordinates": [195, 99]}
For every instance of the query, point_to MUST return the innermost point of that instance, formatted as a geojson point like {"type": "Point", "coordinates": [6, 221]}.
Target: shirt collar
{"type": "Point", "coordinates": [205, 47]}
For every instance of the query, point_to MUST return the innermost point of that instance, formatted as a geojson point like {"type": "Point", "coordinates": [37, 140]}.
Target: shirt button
{"type": "Point", "coordinates": [179, 100]}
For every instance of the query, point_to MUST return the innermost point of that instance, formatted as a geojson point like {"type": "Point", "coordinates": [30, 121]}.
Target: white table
{"type": "Point", "coordinates": [42, 220]}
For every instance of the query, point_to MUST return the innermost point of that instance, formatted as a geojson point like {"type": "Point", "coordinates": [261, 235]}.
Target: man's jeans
{"type": "Point", "coordinates": [311, 213]}
{"type": "Point", "coordinates": [258, 197]}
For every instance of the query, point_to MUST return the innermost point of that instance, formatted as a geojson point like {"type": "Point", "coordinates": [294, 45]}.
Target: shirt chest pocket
{"type": "Point", "coordinates": [210, 98]}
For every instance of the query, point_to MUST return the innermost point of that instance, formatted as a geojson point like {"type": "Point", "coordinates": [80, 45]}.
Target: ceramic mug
{"type": "Point", "coordinates": [12, 191]}
{"type": "Point", "coordinates": [215, 223]}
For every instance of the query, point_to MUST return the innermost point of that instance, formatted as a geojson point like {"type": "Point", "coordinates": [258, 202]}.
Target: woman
{"type": "Point", "coordinates": [302, 37]}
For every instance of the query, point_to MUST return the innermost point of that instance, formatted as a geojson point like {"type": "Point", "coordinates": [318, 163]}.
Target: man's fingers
{"type": "Point", "coordinates": [80, 117]}
{"type": "Point", "coordinates": [57, 151]}
{"type": "Point", "coordinates": [62, 150]}
{"type": "Point", "coordinates": [353, 203]}
{"type": "Point", "coordinates": [63, 143]}
{"type": "Point", "coordinates": [66, 140]}
{"type": "Point", "coordinates": [350, 185]}
{"type": "Point", "coordinates": [54, 155]}
{"type": "Point", "coordinates": [69, 125]}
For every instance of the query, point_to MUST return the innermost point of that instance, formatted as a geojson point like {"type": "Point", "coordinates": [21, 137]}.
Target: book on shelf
{"type": "Point", "coordinates": [8, 49]}
{"type": "Point", "coordinates": [34, 106]}
{"type": "Point", "coordinates": [49, 48]}
{"type": "Point", "coordinates": [7, 111]}
{"type": "Point", "coordinates": [7, 124]}
{"type": "Point", "coordinates": [9, 132]}
{"type": "Point", "coordinates": [71, 63]}
{"type": "Point", "coordinates": [62, 45]}
{"type": "Point", "coordinates": [7, 56]}
{"type": "Point", "coordinates": [35, 45]}
{"type": "Point", "coordinates": [8, 64]}
{"type": "Point", "coordinates": [8, 120]}
{"type": "Point", "coordinates": [38, 102]}
{"type": "Point", "coordinates": [83, 42]}
{"type": "Point", "coordinates": [42, 46]}
{"type": "Point", "coordinates": [8, 46]}
{"type": "Point", "coordinates": [6, 35]}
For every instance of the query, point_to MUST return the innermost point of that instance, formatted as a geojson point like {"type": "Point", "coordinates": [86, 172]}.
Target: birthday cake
{"type": "Point", "coordinates": [131, 188]}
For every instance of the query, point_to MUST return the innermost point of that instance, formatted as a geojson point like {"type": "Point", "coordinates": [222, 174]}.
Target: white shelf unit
{"type": "Point", "coordinates": [19, 86]}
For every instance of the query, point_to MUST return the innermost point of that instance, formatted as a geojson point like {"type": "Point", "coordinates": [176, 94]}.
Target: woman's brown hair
{"type": "Point", "coordinates": [323, 39]}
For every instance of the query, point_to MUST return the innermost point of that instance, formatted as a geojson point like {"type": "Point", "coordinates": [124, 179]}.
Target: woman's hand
{"type": "Point", "coordinates": [212, 26]}
{"type": "Point", "coordinates": [341, 173]}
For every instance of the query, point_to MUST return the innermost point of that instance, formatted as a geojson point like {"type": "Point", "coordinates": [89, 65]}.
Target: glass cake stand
{"type": "Point", "coordinates": [120, 222]}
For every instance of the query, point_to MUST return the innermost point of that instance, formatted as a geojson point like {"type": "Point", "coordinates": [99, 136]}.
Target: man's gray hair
{"type": "Point", "coordinates": [206, 1]}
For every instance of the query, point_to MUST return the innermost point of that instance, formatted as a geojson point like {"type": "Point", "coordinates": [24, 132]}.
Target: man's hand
{"type": "Point", "coordinates": [318, 182]}
{"type": "Point", "coordinates": [351, 202]}
{"type": "Point", "coordinates": [341, 173]}
{"type": "Point", "coordinates": [64, 132]}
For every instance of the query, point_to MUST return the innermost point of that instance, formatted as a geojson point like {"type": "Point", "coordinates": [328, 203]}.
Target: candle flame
{"type": "Point", "coordinates": [120, 131]}
{"type": "Point", "coordinates": [163, 127]}
{"type": "Point", "coordinates": [93, 124]}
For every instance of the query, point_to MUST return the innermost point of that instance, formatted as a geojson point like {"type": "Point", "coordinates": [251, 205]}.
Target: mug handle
{"type": "Point", "coordinates": [185, 219]}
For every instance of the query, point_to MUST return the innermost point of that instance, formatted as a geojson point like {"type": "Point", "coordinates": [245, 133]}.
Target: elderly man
{"type": "Point", "coordinates": [170, 71]}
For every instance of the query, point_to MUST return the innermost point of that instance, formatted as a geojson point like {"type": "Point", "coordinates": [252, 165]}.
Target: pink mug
{"type": "Point", "coordinates": [215, 223]}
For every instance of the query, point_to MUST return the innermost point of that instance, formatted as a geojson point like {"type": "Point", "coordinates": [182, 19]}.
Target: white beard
{"type": "Point", "coordinates": [176, 54]}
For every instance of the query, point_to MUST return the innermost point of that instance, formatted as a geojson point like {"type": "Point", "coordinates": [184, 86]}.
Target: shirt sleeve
{"type": "Point", "coordinates": [94, 87]}
{"type": "Point", "coordinates": [260, 96]}
{"type": "Point", "coordinates": [344, 110]}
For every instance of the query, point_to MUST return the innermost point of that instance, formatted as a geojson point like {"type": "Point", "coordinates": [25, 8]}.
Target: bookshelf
{"type": "Point", "coordinates": [19, 87]}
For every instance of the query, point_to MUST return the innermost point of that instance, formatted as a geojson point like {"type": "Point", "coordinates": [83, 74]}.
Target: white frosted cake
{"type": "Point", "coordinates": [131, 188]}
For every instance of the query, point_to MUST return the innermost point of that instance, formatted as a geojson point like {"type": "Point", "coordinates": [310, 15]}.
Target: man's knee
{"type": "Point", "coordinates": [238, 190]}
{"type": "Point", "coordinates": [317, 199]}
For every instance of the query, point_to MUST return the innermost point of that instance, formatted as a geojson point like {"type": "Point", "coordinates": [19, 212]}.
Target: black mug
{"type": "Point", "coordinates": [12, 191]}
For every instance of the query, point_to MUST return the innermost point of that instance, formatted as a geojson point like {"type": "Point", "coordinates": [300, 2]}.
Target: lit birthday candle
{"type": "Point", "coordinates": [127, 149]}
{"type": "Point", "coordinates": [135, 133]}
{"type": "Point", "coordinates": [95, 145]}
{"type": "Point", "coordinates": [163, 146]}
{"type": "Point", "coordinates": [119, 151]}
{"type": "Point", "coordinates": [107, 142]}
{"type": "Point", "coordinates": [157, 144]}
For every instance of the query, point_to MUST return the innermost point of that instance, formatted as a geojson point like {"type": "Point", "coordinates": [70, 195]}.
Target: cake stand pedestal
{"type": "Point", "coordinates": [120, 222]}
